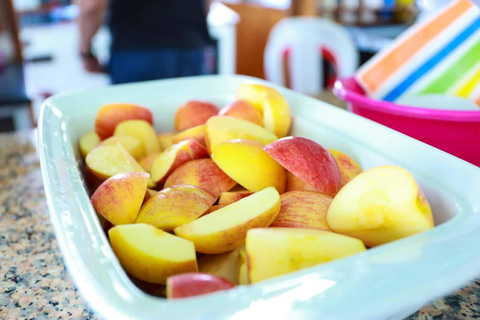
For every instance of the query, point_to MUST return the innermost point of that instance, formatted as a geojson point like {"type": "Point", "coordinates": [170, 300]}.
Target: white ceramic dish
{"type": "Point", "coordinates": [388, 282]}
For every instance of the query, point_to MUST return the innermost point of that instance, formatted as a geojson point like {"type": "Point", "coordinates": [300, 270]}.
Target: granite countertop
{"type": "Point", "coordinates": [34, 283]}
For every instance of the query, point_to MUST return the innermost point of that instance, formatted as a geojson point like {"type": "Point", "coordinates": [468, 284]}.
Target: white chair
{"type": "Point", "coordinates": [305, 39]}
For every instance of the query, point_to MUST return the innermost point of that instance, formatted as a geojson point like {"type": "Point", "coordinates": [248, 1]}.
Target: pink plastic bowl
{"type": "Point", "coordinates": [455, 132]}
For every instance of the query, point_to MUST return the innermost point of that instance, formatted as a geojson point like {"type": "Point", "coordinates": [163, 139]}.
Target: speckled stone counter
{"type": "Point", "coordinates": [33, 281]}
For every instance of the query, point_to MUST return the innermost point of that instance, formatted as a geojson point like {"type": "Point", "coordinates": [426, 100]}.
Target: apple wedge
{"type": "Point", "coordinates": [271, 104]}
{"type": "Point", "coordinates": [195, 284]}
{"type": "Point", "coordinates": [303, 209]}
{"type": "Point", "coordinates": [220, 129]}
{"type": "Point", "coordinates": [197, 133]}
{"type": "Point", "coordinates": [150, 254]}
{"type": "Point", "coordinates": [120, 197]}
{"type": "Point", "coordinates": [246, 163]}
{"type": "Point", "coordinates": [203, 173]}
{"type": "Point", "coordinates": [272, 252]}
{"type": "Point", "coordinates": [233, 196]}
{"type": "Point", "coordinates": [143, 131]}
{"type": "Point", "coordinates": [294, 183]}
{"type": "Point", "coordinates": [175, 206]}
{"type": "Point", "coordinates": [348, 167]}
{"type": "Point", "coordinates": [110, 115]}
{"type": "Point", "coordinates": [309, 161]}
{"type": "Point", "coordinates": [133, 145]}
{"type": "Point", "coordinates": [165, 140]}
{"type": "Point", "coordinates": [194, 113]}
{"type": "Point", "coordinates": [225, 229]}
{"type": "Point", "coordinates": [174, 157]}
{"type": "Point", "coordinates": [107, 160]}
{"type": "Point", "coordinates": [87, 142]}
{"type": "Point", "coordinates": [380, 205]}
{"type": "Point", "coordinates": [147, 162]}
{"type": "Point", "coordinates": [242, 267]}
{"type": "Point", "coordinates": [223, 265]}
{"type": "Point", "coordinates": [243, 110]}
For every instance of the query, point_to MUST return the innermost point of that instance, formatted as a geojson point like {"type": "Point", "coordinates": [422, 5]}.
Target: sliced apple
{"type": "Point", "coordinates": [272, 252]}
{"type": "Point", "coordinates": [294, 183]}
{"type": "Point", "coordinates": [147, 162]}
{"type": "Point", "coordinates": [107, 160]}
{"type": "Point", "coordinates": [175, 206]}
{"type": "Point", "coordinates": [233, 196]}
{"type": "Point", "coordinates": [197, 133]}
{"type": "Point", "coordinates": [243, 110]}
{"type": "Point", "coordinates": [110, 115]}
{"type": "Point", "coordinates": [309, 161]}
{"type": "Point", "coordinates": [203, 173]}
{"type": "Point", "coordinates": [242, 267]}
{"type": "Point", "coordinates": [246, 163]}
{"type": "Point", "coordinates": [87, 142]}
{"type": "Point", "coordinates": [214, 208]}
{"type": "Point", "coordinates": [225, 229]}
{"type": "Point", "coordinates": [120, 197]}
{"type": "Point", "coordinates": [223, 265]}
{"type": "Point", "coordinates": [150, 254]}
{"type": "Point", "coordinates": [195, 284]}
{"type": "Point", "coordinates": [273, 106]}
{"type": "Point", "coordinates": [194, 113]}
{"type": "Point", "coordinates": [174, 157]}
{"type": "Point", "coordinates": [133, 145]}
{"type": "Point", "coordinates": [148, 194]}
{"type": "Point", "coordinates": [303, 209]}
{"type": "Point", "coordinates": [165, 140]}
{"type": "Point", "coordinates": [380, 205]}
{"type": "Point", "coordinates": [221, 129]}
{"type": "Point", "coordinates": [349, 168]}
{"type": "Point", "coordinates": [142, 130]}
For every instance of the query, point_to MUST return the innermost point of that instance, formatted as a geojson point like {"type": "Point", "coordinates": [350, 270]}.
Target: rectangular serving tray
{"type": "Point", "coordinates": [387, 282]}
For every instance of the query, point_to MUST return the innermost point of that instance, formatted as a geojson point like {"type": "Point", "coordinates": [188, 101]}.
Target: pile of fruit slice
{"type": "Point", "coordinates": [230, 200]}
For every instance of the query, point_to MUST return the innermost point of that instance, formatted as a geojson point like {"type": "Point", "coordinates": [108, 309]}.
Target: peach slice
{"type": "Point", "coordinates": [225, 229]}
{"type": "Point", "coordinates": [133, 145]}
{"type": "Point", "coordinates": [174, 157]}
{"type": "Point", "coordinates": [197, 133]}
{"type": "Point", "coordinates": [150, 254]}
{"type": "Point", "coordinates": [309, 161]}
{"type": "Point", "coordinates": [203, 173]}
{"type": "Point", "coordinates": [246, 163]}
{"type": "Point", "coordinates": [110, 115]}
{"type": "Point", "coordinates": [231, 197]}
{"type": "Point", "coordinates": [221, 129]}
{"type": "Point", "coordinates": [303, 209]}
{"type": "Point", "coordinates": [243, 110]}
{"type": "Point", "coordinates": [223, 265]}
{"type": "Point", "coordinates": [87, 142]}
{"type": "Point", "coordinates": [195, 284]}
{"type": "Point", "coordinates": [120, 197]}
{"type": "Point", "coordinates": [380, 205]}
{"type": "Point", "coordinates": [271, 104]}
{"type": "Point", "coordinates": [165, 140]}
{"type": "Point", "coordinates": [272, 252]}
{"type": "Point", "coordinates": [349, 168]}
{"type": "Point", "coordinates": [175, 206]}
{"type": "Point", "coordinates": [107, 160]}
{"type": "Point", "coordinates": [194, 113]}
{"type": "Point", "coordinates": [147, 162]}
{"type": "Point", "coordinates": [142, 130]}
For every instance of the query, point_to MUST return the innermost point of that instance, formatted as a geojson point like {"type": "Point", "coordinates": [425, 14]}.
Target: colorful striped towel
{"type": "Point", "coordinates": [440, 55]}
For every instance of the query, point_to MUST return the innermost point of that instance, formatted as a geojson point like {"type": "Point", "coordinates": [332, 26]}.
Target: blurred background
{"type": "Point", "coordinates": [43, 53]}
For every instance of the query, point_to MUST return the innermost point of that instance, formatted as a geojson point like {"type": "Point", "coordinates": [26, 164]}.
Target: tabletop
{"type": "Point", "coordinates": [34, 283]}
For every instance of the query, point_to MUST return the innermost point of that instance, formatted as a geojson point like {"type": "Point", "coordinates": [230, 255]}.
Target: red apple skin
{"type": "Point", "coordinates": [194, 113]}
{"type": "Point", "coordinates": [194, 284]}
{"type": "Point", "coordinates": [110, 115]}
{"type": "Point", "coordinates": [309, 161]}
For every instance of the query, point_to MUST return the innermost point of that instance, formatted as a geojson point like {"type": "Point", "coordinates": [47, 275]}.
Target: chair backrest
{"type": "Point", "coordinates": [306, 39]}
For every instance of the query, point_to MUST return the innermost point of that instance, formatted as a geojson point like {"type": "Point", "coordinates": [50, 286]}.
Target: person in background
{"type": "Point", "coordinates": [151, 39]}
